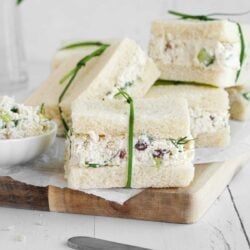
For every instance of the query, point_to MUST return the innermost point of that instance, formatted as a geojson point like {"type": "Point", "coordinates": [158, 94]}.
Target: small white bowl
{"type": "Point", "coordinates": [17, 151]}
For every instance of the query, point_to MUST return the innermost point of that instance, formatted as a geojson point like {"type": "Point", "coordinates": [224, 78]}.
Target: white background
{"type": "Point", "coordinates": [46, 23]}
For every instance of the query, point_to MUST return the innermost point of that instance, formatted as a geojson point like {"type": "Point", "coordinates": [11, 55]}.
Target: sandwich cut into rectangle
{"type": "Point", "coordinates": [97, 151]}
{"type": "Point", "coordinates": [239, 102]}
{"type": "Point", "coordinates": [122, 65]}
{"type": "Point", "coordinates": [206, 52]}
{"type": "Point", "coordinates": [208, 107]}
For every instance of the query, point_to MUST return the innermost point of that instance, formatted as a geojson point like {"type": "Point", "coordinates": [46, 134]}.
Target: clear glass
{"type": "Point", "coordinates": [13, 73]}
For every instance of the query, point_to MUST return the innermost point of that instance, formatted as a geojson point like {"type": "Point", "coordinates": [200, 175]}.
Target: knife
{"type": "Point", "coordinates": [88, 243]}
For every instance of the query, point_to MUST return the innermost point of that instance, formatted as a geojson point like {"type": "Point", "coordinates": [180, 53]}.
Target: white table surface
{"type": "Point", "coordinates": [225, 226]}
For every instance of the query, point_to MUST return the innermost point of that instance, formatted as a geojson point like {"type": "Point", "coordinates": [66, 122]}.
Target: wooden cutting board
{"type": "Point", "coordinates": [176, 205]}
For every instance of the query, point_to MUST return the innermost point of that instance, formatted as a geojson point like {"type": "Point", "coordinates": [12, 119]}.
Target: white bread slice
{"type": "Point", "coordinates": [143, 177]}
{"type": "Point", "coordinates": [208, 110]}
{"type": "Point", "coordinates": [211, 99]}
{"type": "Point", "coordinates": [96, 79]}
{"type": "Point", "coordinates": [239, 102]}
{"type": "Point", "coordinates": [220, 30]}
{"type": "Point", "coordinates": [159, 117]}
{"type": "Point", "coordinates": [175, 46]}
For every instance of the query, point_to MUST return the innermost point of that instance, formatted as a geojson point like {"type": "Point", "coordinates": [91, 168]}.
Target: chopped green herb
{"type": "Point", "coordinates": [130, 135]}
{"type": "Point", "coordinates": [93, 165]}
{"type": "Point", "coordinates": [246, 95]}
{"type": "Point", "coordinates": [158, 162]}
{"type": "Point", "coordinates": [14, 110]}
{"type": "Point", "coordinates": [205, 58]}
{"type": "Point", "coordinates": [180, 141]}
{"type": "Point", "coordinates": [42, 109]}
{"type": "Point", "coordinates": [16, 122]}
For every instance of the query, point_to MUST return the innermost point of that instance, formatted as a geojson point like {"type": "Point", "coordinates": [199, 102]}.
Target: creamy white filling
{"type": "Point", "coordinates": [134, 70]}
{"type": "Point", "coordinates": [170, 50]}
{"type": "Point", "coordinates": [88, 151]}
{"type": "Point", "coordinates": [19, 121]}
{"type": "Point", "coordinates": [207, 122]}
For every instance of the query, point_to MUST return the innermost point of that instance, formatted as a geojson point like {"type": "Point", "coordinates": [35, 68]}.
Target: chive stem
{"type": "Point", "coordinates": [242, 50]}
{"type": "Point", "coordinates": [71, 75]}
{"type": "Point", "coordinates": [82, 44]}
{"type": "Point", "coordinates": [67, 76]}
{"type": "Point", "coordinates": [130, 135]}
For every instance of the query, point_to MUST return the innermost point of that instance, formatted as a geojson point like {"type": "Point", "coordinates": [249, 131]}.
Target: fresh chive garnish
{"type": "Point", "coordinates": [161, 82]}
{"type": "Point", "coordinates": [68, 75]}
{"type": "Point", "coordinates": [246, 95]}
{"type": "Point", "coordinates": [14, 110]}
{"type": "Point", "coordinates": [93, 165]}
{"type": "Point", "coordinates": [180, 141]}
{"type": "Point", "coordinates": [242, 50]}
{"type": "Point", "coordinates": [65, 124]}
{"type": "Point", "coordinates": [42, 109]}
{"type": "Point", "coordinates": [71, 75]}
{"type": "Point", "coordinates": [208, 18]}
{"type": "Point", "coordinates": [130, 135]}
{"type": "Point", "coordinates": [81, 44]}
{"type": "Point", "coordinates": [187, 16]}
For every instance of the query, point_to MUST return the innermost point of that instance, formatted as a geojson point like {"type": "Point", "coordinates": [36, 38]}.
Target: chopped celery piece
{"type": "Point", "coordinates": [205, 58]}
{"type": "Point", "coordinates": [5, 117]}
{"type": "Point", "coordinates": [158, 162]}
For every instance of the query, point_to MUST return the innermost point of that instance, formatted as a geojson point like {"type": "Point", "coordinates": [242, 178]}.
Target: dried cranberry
{"type": "Point", "coordinates": [168, 46]}
{"type": "Point", "coordinates": [141, 145]}
{"type": "Point", "coordinates": [159, 153]}
{"type": "Point", "coordinates": [122, 154]}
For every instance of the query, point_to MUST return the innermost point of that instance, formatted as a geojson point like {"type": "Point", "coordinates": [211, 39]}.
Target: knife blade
{"type": "Point", "coordinates": [88, 243]}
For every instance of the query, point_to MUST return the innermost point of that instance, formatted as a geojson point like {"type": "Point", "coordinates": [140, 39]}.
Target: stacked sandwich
{"type": "Point", "coordinates": [133, 120]}
{"type": "Point", "coordinates": [203, 59]}
{"type": "Point", "coordinates": [116, 138]}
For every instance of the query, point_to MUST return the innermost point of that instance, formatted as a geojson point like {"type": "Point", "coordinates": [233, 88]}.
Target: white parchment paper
{"type": "Point", "coordinates": [48, 168]}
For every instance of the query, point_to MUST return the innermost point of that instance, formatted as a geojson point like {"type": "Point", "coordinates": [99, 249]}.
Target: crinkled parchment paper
{"type": "Point", "coordinates": [48, 168]}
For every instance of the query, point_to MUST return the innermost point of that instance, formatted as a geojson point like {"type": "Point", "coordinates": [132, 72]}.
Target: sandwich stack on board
{"type": "Point", "coordinates": [125, 132]}
{"type": "Point", "coordinates": [207, 52]}
{"type": "Point", "coordinates": [98, 153]}
{"type": "Point", "coordinates": [203, 52]}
